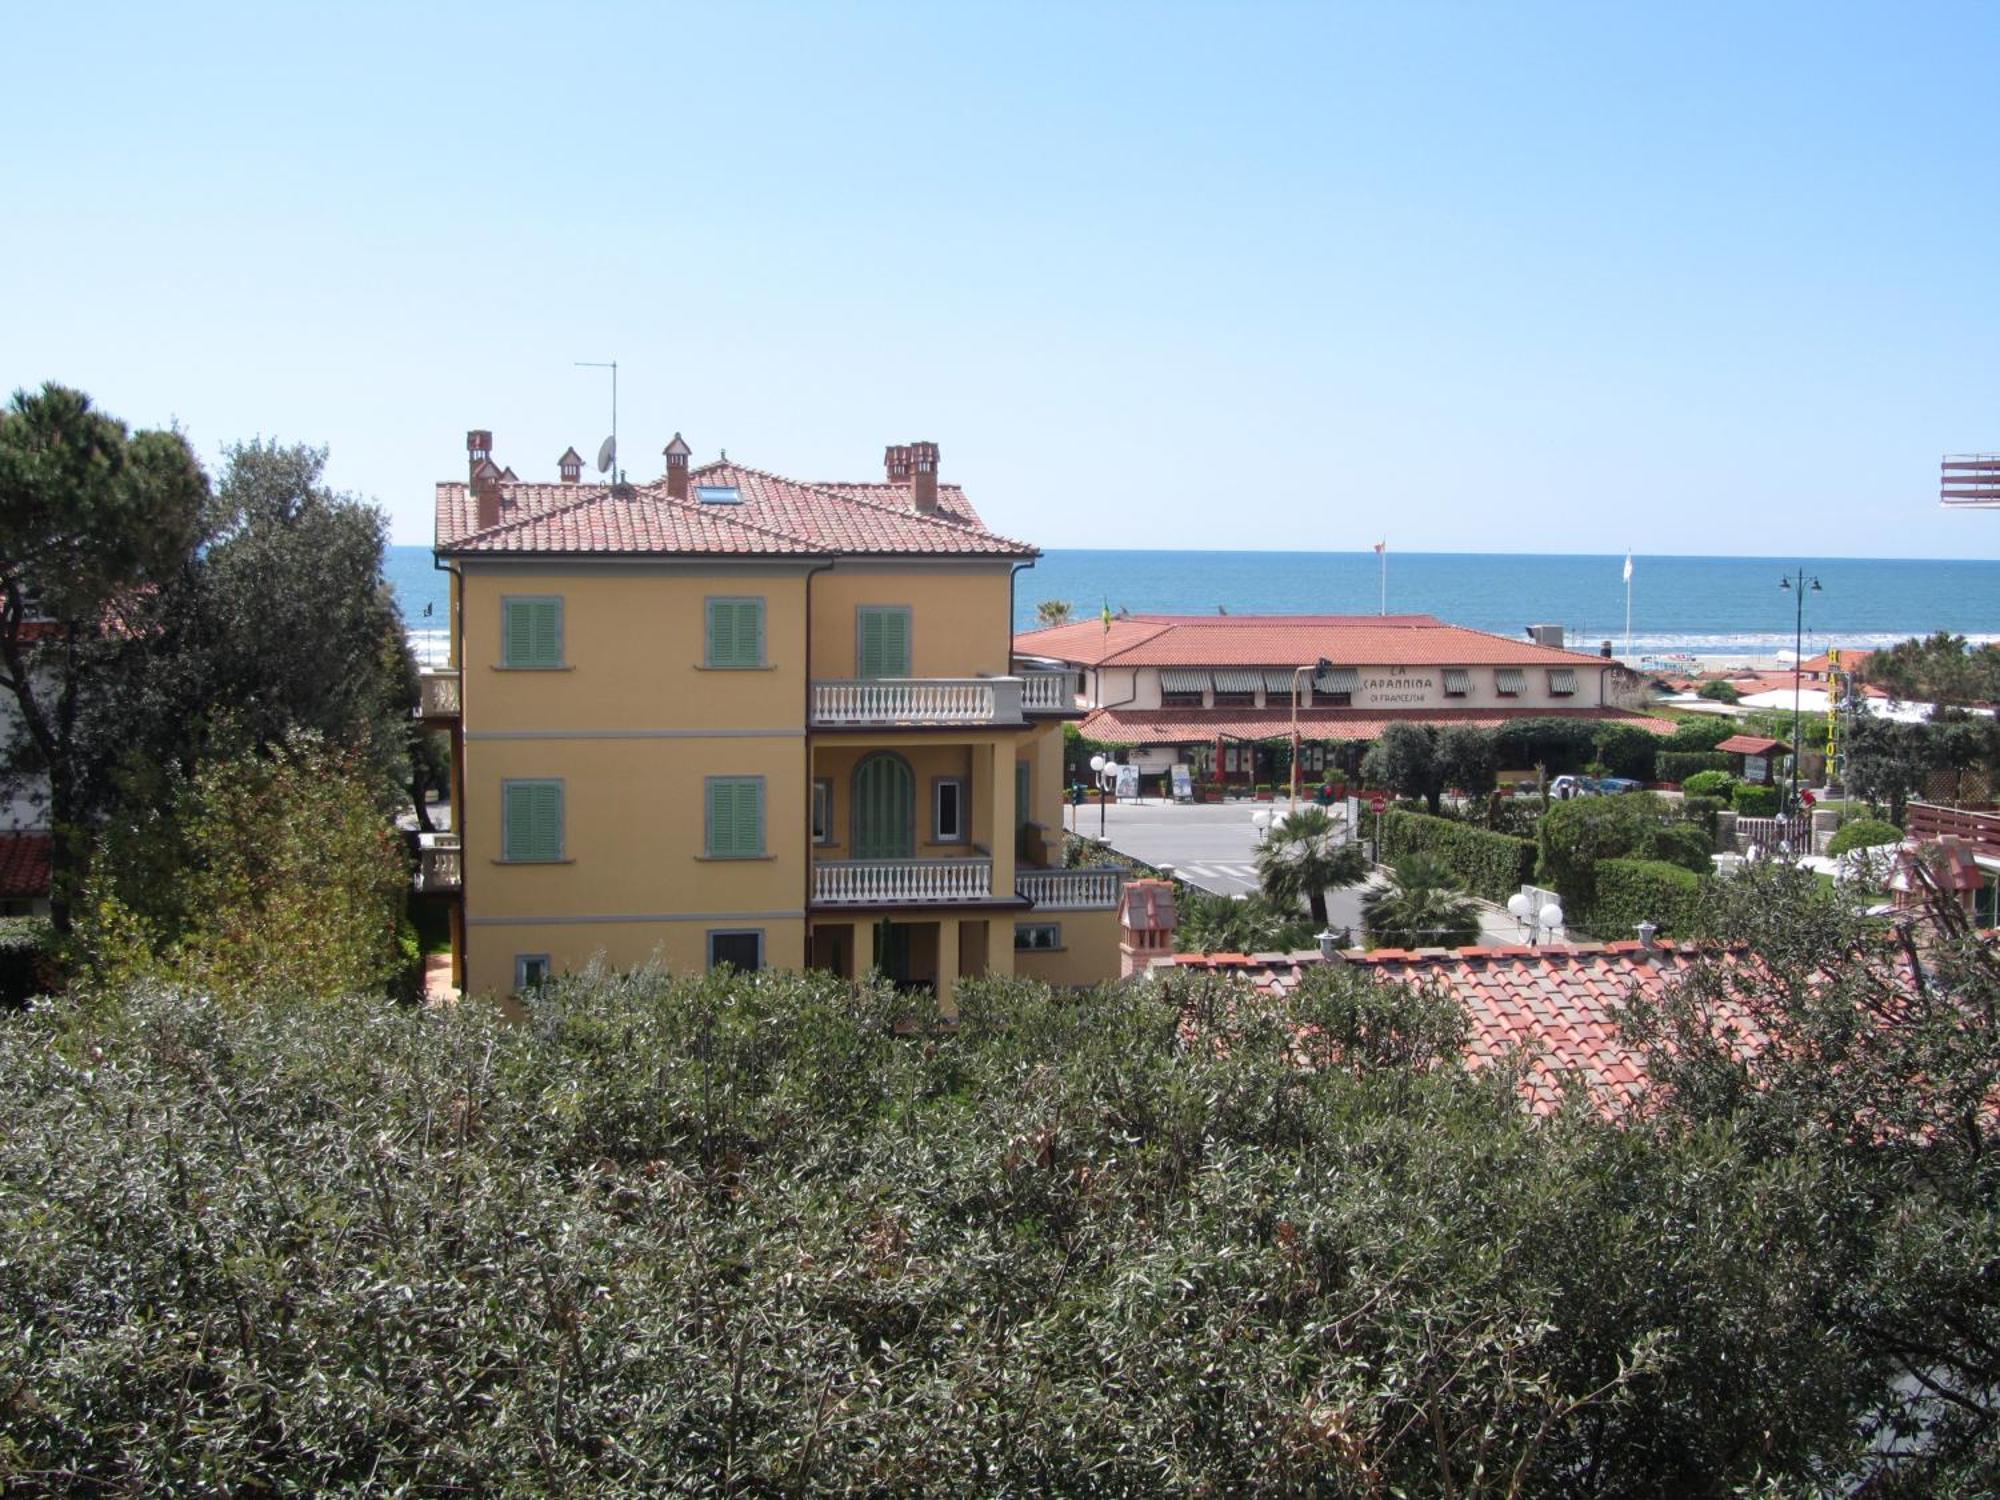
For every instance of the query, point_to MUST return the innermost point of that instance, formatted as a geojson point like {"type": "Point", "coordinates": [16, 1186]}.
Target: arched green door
{"type": "Point", "coordinates": [885, 809]}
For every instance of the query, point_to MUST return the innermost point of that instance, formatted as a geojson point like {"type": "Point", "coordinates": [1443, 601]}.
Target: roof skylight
{"type": "Point", "coordinates": [718, 494]}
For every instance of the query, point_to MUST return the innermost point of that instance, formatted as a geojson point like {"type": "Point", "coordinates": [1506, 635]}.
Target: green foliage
{"type": "Point", "coordinates": [1630, 891]}
{"type": "Point", "coordinates": [27, 958]}
{"type": "Point", "coordinates": [1629, 751]}
{"type": "Point", "coordinates": [1467, 759]}
{"type": "Point", "coordinates": [1887, 761]}
{"type": "Point", "coordinates": [1679, 765]}
{"type": "Point", "coordinates": [1685, 844]}
{"type": "Point", "coordinates": [1405, 760]}
{"type": "Point", "coordinates": [1421, 907]}
{"type": "Point", "coordinates": [1052, 612]}
{"type": "Point", "coordinates": [1305, 855]}
{"type": "Point", "coordinates": [1490, 865]}
{"type": "Point", "coordinates": [1561, 745]}
{"type": "Point", "coordinates": [1719, 691]}
{"type": "Point", "coordinates": [1579, 833]}
{"type": "Point", "coordinates": [1248, 924]}
{"type": "Point", "coordinates": [1863, 833]}
{"type": "Point", "coordinates": [1712, 783]}
{"type": "Point", "coordinates": [1754, 801]}
{"type": "Point", "coordinates": [266, 876]}
{"type": "Point", "coordinates": [1700, 732]}
{"type": "Point", "coordinates": [1700, 812]}
{"type": "Point", "coordinates": [1941, 668]}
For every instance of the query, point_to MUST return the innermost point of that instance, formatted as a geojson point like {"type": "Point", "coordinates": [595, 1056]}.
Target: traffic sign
{"type": "Point", "coordinates": [1378, 803]}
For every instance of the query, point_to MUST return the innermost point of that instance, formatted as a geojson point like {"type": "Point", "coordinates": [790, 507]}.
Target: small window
{"type": "Point", "coordinates": [531, 821]}
{"type": "Point", "coordinates": [742, 951]}
{"type": "Point", "coordinates": [1037, 937]}
{"type": "Point", "coordinates": [735, 633]}
{"type": "Point", "coordinates": [882, 640]}
{"type": "Point", "coordinates": [1510, 682]}
{"type": "Point", "coordinates": [948, 810]}
{"type": "Point", "coordinates": [1562, 682]}
{"type": "Point", "coordinates": [735, 817]}
{"type": "Point", "coordinates": [1457, 682]}
{"type": "Point", "coordinates": [1180, 688]}
{"type": "Point", "coordinates": [531, 632]}
{"type": "Point", "coordinates": [718, 494]}
{"type": "Point", "coordinates": [823, 811]}
{"type": "Point", "coordinates": [531, 971]}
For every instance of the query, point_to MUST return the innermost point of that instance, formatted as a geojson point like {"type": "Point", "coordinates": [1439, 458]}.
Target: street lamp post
{"type": "Point", "coordinates": [1538, 920]}
{"type": "Point", "coordinates": [1319, 669]}
{"type": "Point", "coordinates": [1097, 765]}
{"type": "Point", "coordinates": [1805, 583]}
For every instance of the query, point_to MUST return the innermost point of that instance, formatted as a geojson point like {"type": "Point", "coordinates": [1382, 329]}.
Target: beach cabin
{"type": "Point", "coordinates": [1753, 758]}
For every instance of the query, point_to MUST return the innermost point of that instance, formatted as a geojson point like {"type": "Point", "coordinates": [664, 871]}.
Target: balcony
{"type": "Point", "coordinates": [1050, 692]}
{"type": "Point", "coordinates": [917, 703]}
{"type": "Point", "coordinates": [440, 864]}
{"type": "Point", "coordinates": [1071, 890]}
{"type": "Point", "coordinates": [901, 882]}
{"type": "Point", "coordinates": [437, 693]}
{"type": "Point", "coordinates": [1978, 827]}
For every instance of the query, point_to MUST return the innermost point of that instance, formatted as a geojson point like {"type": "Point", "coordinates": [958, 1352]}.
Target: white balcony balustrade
{"type": "Point", "coordinates": [437, 693]}
{"type": "Point", "coordinates": [1050, 692]}
{"type": "Point", "coordinates": [901, 882]}
{"type": "Point", "coordinates": [921, 702]}
{"type": "Point", "coordinates": [1092, 889]}
{"type": "Point", "coordinates": [440, 863]}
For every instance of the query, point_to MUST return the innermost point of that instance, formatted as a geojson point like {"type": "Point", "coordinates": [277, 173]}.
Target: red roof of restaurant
{"type": "Point", "coordinates": [772, 516]}
{"type": "Point", "coordinates": [24, 865]}
{"type": "Point", "coordinates": [1281, 640]}
{"type": "Point", "coordinates": [1555, 1005]}
{"type": "Point", "coordinates": [1181, 726]}
{"type": "Point", "coordinates": [1750, 744]}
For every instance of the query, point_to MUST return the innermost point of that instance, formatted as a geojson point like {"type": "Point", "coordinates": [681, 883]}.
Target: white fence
{"type": "Point", "coordinates": [1070, 890]}
{"type": "Point", "coordinates": [1044, 692]}
{"type": "Point", "coordinates": [901, 882]}
{"type": "Point", "coordinates": [917, 700]}
{"type": "Point", "coordinates": [1771, 834]}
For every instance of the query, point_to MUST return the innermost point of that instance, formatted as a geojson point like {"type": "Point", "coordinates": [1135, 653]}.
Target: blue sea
{"type": "Point", "coordinates": [1726, 608]}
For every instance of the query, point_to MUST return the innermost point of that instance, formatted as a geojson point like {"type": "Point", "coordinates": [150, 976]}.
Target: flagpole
{"type": "Point", "coordinates": [1382, 551]}
{"type": "Point", "coordinates": [1628, 604]}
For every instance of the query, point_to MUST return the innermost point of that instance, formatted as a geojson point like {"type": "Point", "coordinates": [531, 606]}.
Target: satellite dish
{"type": "Point", "coordinates": [607, 454]}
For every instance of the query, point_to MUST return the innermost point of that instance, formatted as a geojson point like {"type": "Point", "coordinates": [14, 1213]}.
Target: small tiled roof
{"type": "Point", "coordinates": [1288, 640]}
{"type": "Point", "coordinates": [1182, 726]}
{"type": "Point", "coordinates": [24, 865]}
{"type": "Point", "coordinates": [1555, 1005]}
{"type": "Point", "coordinates": [773, 516]}
{"type": "Point", "coordinates": [1750, 744]}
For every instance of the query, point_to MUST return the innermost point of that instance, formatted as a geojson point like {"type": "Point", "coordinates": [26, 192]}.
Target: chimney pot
{"type": "Point", "coordinates": [924, 476]}
{"type": "Point", "coordinates": [896, 463]}
{"type": "Point", "coordinates": [677, 452]}
{"type": "Point", "coordinates": [486, 493]}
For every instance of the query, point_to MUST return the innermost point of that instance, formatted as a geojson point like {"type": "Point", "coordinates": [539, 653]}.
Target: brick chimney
{"type": "Point", "coordinates": [677, 467]}
{"type": "Point", "coordinates": [478, 449]}
{"type": "Point", "coordinates": [570, 466]}
{"type": "Point", "coordinates": [896, 463]}
{"type": "Point", "coordinates": [1146, 920]}
{"type": "Point", "coordinates": [923, 477]}
{"type": "Point", "coordinates": [486, 492]}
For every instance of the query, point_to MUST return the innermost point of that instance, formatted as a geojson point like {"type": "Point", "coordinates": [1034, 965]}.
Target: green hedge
{"type": "Point", "coordinates": [1631, 891]}
{"type": "Point", "coordinates": [1709, 784]}
{"type": "Point", "coordinates": [27, 949]}
{"type": "Point", "coordinates": [1678, 765]}
{"type": "Point", "coordinates": [1863, 833]}
{"type": "Point", "coordinates": [1492, 865]}
{"type": "Point", "coordinates": [1756, 801]}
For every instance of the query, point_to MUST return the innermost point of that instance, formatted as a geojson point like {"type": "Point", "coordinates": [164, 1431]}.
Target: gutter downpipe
{"type": "Point", "coordinates": [805, 896]}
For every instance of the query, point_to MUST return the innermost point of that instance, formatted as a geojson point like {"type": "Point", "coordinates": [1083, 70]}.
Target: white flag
{"type": "Point", "coordinates": [1628, 567]}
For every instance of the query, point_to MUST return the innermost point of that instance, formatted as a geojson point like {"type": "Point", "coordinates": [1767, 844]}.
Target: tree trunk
{"type": "Point", "coordinates": [1316, 901]}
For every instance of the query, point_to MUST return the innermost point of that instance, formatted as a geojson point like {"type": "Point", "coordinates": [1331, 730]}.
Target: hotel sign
{"type": "Point", "coordinates": [1383, 687]}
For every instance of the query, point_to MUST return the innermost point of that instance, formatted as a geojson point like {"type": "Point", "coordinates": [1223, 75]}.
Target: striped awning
{"type": "Point", "coordinates": [1279, 680]}
{"type": "Point", "coordinates": [1238, 679]}
{"type": "Point", "coordinates": [1457, 680]}
{"type": "Point", "coordinates": [1510, 679]}
{"type": "Point", "coordinates": [1340, 680]}
{"type": "Point", "coordinates": [1562, 680]}
{"type": "Point", "coordinates": [1182, 680]}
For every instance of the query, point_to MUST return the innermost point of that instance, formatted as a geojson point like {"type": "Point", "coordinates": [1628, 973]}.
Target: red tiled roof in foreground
{"type": "Point", "coordinates": [24, 865]}
{"type": "Point", "coordinates": [1555, 1006]}
{"type": "Point", "coordinates": [1749, 744]}
{"type": "Point", "coordinates": [773, 516]}
{"type": "Point", "coordinates": [1288, 640]}
{"type": "Point", "coordinates": [1190, 726]}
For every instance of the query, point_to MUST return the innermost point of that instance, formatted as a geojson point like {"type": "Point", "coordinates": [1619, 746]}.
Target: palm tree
{"type": "Point", "coordinates": [1052, 612]}
{"type": "Point", "coordinates": [1303, 856]}
{"type": "Point", "coordinates": [1421, 907]}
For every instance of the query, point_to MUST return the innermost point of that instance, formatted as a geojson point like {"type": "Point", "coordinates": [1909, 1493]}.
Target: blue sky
{"type": "Point", "coordinates": [1684, 279]}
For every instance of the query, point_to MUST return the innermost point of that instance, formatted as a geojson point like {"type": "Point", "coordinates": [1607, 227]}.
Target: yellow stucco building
{"type": "Point", "coordinates": [728, 717]}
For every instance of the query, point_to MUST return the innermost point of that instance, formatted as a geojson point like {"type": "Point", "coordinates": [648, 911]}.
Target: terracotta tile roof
{"type": "Point", "coordinates": [1749, 744]}
{"type": "Point", "coordinates": [1180, 726]}
{"type": "Point", "coordinates": [1555, 1006]}
{"type": "Point", "coordinates": [1288, 640]}
{"type": "Point", "coordinates": [775, 515]}
{"type": "Point", "coordinates": [24, 865]}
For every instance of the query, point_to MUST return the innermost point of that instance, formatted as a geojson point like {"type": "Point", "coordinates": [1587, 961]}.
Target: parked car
{"type": "Point", "coordinates": [1565, 787]}
{"type": "Point", "coordinates": [1615, 784]}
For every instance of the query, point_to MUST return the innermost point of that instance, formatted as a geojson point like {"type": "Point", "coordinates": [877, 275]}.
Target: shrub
{"type": "Point", "coordinates": [1718, 691]}
{"type": "Point", "coordinates": [1490, 865]}
{"type": "Point", "coordinates": [1864, 833]}
{"type": "Point", "coordinates": [1699, 812]}
{"type": "Point", "coordinates": [1631, 891]}
{"type": "Point", "coordinates": [1576, 835]}
{"type": "Point", "coordinates": [1559, 744]}
{"type": "Point", "coordinates": [27, 956]}
{"type": "Point", "coordinates": [1755, 801]}
{"type": "Point", "coordinates": [1717, 783]}
{"type": "Point", "coordinates": [1679, 765]}
{"type": "Point", "coordinates": [1700, 732]}
{"type": "Point", "coordinates": [1627, 750]}
{"type": "Point", "coordinates": [1683, 844]}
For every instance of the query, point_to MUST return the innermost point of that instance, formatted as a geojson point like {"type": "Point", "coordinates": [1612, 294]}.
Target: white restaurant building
{"type": "Point", "coordinates": [1216, 691]}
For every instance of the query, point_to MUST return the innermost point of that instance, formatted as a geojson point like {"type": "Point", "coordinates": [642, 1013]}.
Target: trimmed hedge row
{"type": "Point", "coordinates": [1492, 865]}
{"type": "Point", "coordinates": [1631, 891]}
{"type": "Point", "coordinates": [1678, 765]}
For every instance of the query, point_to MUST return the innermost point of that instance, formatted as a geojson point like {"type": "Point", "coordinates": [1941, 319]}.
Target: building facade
{"type": "Point", "coordinates": [1218, 692]}
{"type": "Point", "coordinates": [728, 717]}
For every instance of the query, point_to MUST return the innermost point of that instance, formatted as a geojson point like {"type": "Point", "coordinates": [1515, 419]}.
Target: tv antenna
{"type": "Point", "coordinates": [607, 452]}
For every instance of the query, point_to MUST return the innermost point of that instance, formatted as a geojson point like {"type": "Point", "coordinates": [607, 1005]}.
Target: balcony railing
{"type": "Point", "coordinates": [437, 693]}
{"type": "Point", "coordinates": [920, 702]}
{"type": "Point", "coordinates": [901, 882]}
{"type": "Point", "coordinates": [1049, 692]}
{"type": "Point", "coordinates": [1070, 890]}
{"type": "Point", "coordinates": [1981, 829]}
{"type": "Point", "coordinates": [440, 863]}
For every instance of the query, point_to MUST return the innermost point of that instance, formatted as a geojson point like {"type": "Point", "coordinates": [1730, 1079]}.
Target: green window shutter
{"type": "Point", "coordinates": [532, 636]}
{"type": "Point", "coordinates": [534, 820]}
{"type": "Point", "coordinates": [885, 641]}
{"type": "Point", "coordinates": [735, 816]}
{"type": "Point", "coordinates": [735, 632]}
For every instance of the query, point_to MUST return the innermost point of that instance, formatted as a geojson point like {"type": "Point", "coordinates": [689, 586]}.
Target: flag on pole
{"type": "Point", "coordinates": [1107, 614]}
{"type": "Point", "coordinates": [1378, 548]}
{"type": "Point", "coordinates": [1628, 567]}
